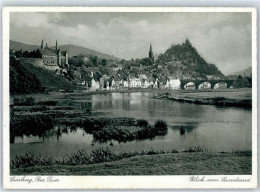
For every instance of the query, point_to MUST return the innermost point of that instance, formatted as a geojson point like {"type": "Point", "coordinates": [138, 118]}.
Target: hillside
{"type": "Point", "coordinates": [246, 72]}
{"type": "Point", "coordinates": [73, 50]}
{"type": "Point", "coordinates": [185, 62]}
{"type": "Point", "coordinates": [15, 45]}
{"type": "Point", "coordinates": [26, 78]}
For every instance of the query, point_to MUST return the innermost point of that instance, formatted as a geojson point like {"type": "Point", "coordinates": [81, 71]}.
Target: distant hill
{"type": "Point", "coordinates": [15, 45]}
{"type": "Point", "coordinates": [246, 72]}
{"type": "Point", "coordinates": [184, 61]}
{"type": "Point", "coordinates": [73, 50]}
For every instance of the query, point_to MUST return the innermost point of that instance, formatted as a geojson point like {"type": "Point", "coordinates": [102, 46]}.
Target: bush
{"type": "Point", "coordinates": [160, 126]}
{"type": "Point", "coordinates": [142, 123]}
{"type": "Point", "coordinates": [30, 160]}
{"type": "Point", "coordinates": [16, 101]}
{"type": "Point", "coordinates": [27, 101]}
{"type": "Point", "coordinates": [48, 103]}
{"type": "Point", "coordinates": [30, 101]}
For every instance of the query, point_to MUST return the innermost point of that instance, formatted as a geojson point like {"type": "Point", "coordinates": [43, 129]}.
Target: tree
{"type": "Point", "coordinates": [104, 62]}
{"type": "Point", "coordinates": [241, 82]}
{"type": "Point", "coordinates": [94, 60]}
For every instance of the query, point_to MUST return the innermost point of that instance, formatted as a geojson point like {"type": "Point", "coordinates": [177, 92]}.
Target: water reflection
{"type": "Point", "coordinates": [185, 128]}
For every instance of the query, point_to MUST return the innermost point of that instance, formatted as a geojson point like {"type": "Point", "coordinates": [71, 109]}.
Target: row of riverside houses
{"type": "Point", "coordinates": [105, 82]}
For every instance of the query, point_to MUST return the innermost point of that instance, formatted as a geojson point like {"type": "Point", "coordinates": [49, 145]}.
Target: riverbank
{"type": "Point", "coordinates": [225, 97]}
{"type": "Point", "coordinates": [197, 163]}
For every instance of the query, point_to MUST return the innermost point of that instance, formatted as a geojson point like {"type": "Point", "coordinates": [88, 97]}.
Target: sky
{"type": "Point", "coordinates": [223, 39]}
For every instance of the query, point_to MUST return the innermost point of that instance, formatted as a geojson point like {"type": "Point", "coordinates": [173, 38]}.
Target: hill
{"type": "Point", "coordinates": [73, 50]}
{"type": "Point", "coordinates": [26, 78]}
{"type": "Point", "coordinates": [184, 61]}
{"type": "Point", "coordinates": [245, 72]}
{"type": "Point", "coordinates": [15, 45]}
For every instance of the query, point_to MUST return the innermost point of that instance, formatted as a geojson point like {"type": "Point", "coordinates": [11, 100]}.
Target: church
{"type": "Point", "coordinates": [53, 57]}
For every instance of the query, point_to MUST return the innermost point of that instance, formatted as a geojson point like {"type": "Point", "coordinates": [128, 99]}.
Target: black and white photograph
{"type": "Point", "coordinates": [131, 92]}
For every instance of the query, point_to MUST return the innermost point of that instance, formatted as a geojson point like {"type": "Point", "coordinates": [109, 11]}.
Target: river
{"type": "Point", "coordinates": [215, 128]}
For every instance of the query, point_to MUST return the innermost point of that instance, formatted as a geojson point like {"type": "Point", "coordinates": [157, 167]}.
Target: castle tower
{"type": "Point", "coordinates": [42, 44]}
{"type": "Point", "coordinates": [46, 46]}
{"type": "Point", "coordinates": [151, 53]}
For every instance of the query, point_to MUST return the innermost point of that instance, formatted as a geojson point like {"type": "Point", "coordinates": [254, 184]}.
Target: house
{"type": "Point", "coordinates": [144, 81]}
{"type": "Point", "coordinates": [134, 82]}
{"type": "Point", "coordinates": [156, 84]}
{"type": "Point", "coordinates": [116, 68]}
{"type": "Point", "coordinates": [90, 82]}
{"type": "Point", "coordinates": [212, 77]}
{"type": "Point", "coordinates": [125, 83]}
{"type": "Point", "coordinates": [53, 57]}
{"type": "Point", "coordinates": [173, 83]}
{"type": "Point", "coordinates": [159, 66]}
{"type": "Point", "coordinates": [106, 82]}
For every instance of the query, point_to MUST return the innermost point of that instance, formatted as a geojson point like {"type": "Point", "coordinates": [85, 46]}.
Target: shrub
{"type": "Point", "coordinates": [24, 101]}
{"type": "Point", "coordinates": [48, 103]}
{"type": "Point", "coordinates": [142, 123]}
{"type": "Point", "coordinates": [16, 101]}
{"type": "Point", "coordinates": [30, 160]}
{"type": "Point", "coordinates": [160, 126]}
{"type": "Point", "coordinates": [30, 101]}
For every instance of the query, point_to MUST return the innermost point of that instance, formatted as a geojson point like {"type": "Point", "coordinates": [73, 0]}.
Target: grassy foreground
{"type": "Point", "coordinates": [199, 163]}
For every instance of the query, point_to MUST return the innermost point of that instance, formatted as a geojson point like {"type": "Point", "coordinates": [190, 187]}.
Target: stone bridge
{"type": "Point", "coordinates": [198, 83]}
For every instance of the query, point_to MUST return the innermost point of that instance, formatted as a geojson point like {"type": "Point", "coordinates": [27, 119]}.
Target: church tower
{"type": "Point", "coordinates": [151, 53]}
{"type": "Point", "coordinates": [42, 44]}
{"type": "Point", "coordinates": [56, 45]}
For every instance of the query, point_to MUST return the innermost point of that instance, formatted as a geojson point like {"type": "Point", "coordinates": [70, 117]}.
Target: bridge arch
{"type": "Point", "coordinates": [212, 82]}
{"type": "Point", "coordinates": [220, 85]}
{"type": "Point", "coordinates": [189, 85]}
{"type": "Point", "coordinates": [204, 85]}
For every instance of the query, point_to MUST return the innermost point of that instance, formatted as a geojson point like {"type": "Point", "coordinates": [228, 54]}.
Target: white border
{"type": "Point", "coordinates": [119, 182]}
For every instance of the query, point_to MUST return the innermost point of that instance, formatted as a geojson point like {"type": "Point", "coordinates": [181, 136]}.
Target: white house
{"type": "Point", "coordinates": [125, 83]}
{"type": "Point", "coordinates": [134, 82]}
{"type": "Point", "coordinates": [94, 84]}
{"type": "Point", "coordinates": [173, 83]}
{"type": "Point", "coordinates": [156, 84]}
{"type": "Point", "coordinates": [144, 81]}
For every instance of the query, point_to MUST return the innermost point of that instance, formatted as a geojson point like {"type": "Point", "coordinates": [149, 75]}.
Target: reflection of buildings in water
{"type": "Point", "coordinates": [116, 96]}
{"type": "Point", "coordinates": [126, 104]}
{"type": "Point", "coordinates": [85, 105]}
